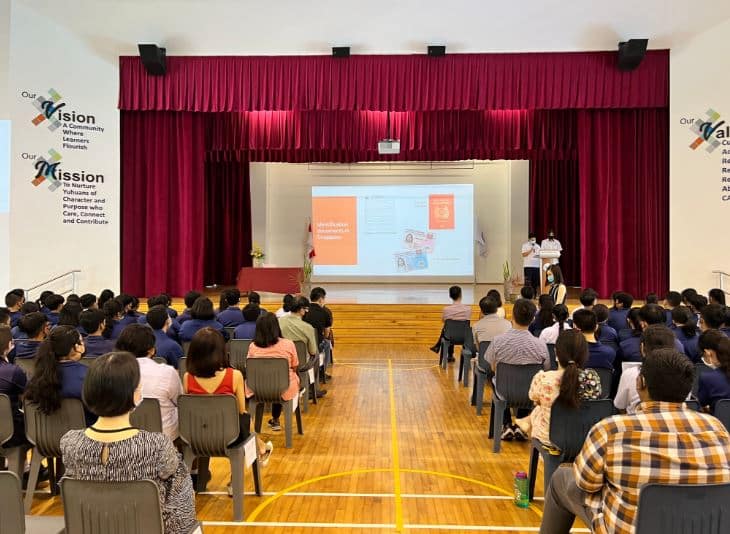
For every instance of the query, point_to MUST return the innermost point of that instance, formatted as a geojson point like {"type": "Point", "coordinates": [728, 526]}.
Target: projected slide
{"type": "Point", "coordinates": [4, 166]}
{"type": "Point", "coordinates": [393, 230]}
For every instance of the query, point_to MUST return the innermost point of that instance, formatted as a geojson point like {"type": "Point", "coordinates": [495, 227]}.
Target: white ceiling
{"type": "Point", "coordinates": [112, 27]}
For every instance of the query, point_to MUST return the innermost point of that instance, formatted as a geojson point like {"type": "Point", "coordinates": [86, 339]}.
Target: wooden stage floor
{"type": "Point", "coordinates": [393, 447]}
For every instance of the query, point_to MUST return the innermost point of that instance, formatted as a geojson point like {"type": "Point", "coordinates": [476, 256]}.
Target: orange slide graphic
{"type": "Point", "coordinates": [441, 212]}
{"type": "Point", "coordinates": [334, 230]}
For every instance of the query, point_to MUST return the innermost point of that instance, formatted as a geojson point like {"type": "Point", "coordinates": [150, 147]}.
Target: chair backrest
{"type": "Point", "coordinates": [27, 365]}
{"type": "Point", "coordinates": [185, 347]}
{"type": "Point", "coordinates": [693, 405]}
{"type": "Point", "coordinates": [483, 346]}
{"type": "Point", "coordinates": [569, 426]}
{"type": "Point", "coordinates": [12, 515]}
{"type": "Point", "coordinates": [147, 416]}
{"type": "Point", "coordinates": [626, 365]}
{"type": "Point", "coordinates": [160, 360]}
{"type": "Point", "coordinates": [45, 431]}
{"type": "Point", "coordinates": [606, 376]}
{"type": "Point", "coordinates": [513, 383]}
{"type": "Point", "coordinates": [238, 353]}
{"type": "Point", "coordinates": [455, 331]}
{"type": "Point", "coordinates": [302, 352]}
{"type": "Point", "coordinates": [229, 330]}
{"type": "Point", "coordinates": [722, 412]}
{"type": "Point", "coordinates": [469, 341]}
{"type": "Point", "coordinates": [86, 361]}
{"type": "Point", "coordinates": [553, 357]}
{"type": "Point", "coordinates": [96, 507]}
{"type": "Point", "coordinates": [683, 508]}
{"type": "Point", "coordinates": [182, 366]}
{"type": "Point", "coordinates": [208, 423]}
{"type": "Point", "coordinates": [6, 419]}
{"type": "Point", "coordinates": [268, 378]}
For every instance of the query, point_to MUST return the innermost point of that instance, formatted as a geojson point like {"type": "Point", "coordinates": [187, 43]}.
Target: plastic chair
{"type": "Point", "coordinates": [209, 425]}
{"type": "Point", "coordinates": [568, 430]}
{"type": "Point", "coordinates": [512, 386]}
{"type": "Point", "coordinates": [185, 347]}
{"type": "Point", "coordinates": [182, 367]}
{"type": "Point", "coordinates": [147, 416]}
{"type": "Point", "coordinates": [722, 412]}
{"type": "Point", "coordinates": [683, 509]}
{"type": "Point", "coordinates": [238, 353]}
{"type": "Point", "coordinates": [14, 455]}
{"type": "Point", "coordinates": [44, 433]}
{"type": "Point", "coordinates": [269, 378]}
{"type": "Point", "coordinates": [467, 354]}
{"type": "Point", "coordinates": [454, 334]}
{"type": "Point", "coordinates": [160, 360]}
{"type": "Point", "coordinates": [305, 364]}
{"type": "Point", "coordinates": [86, 361]}
{"type": "Point", "coordinates": [553, 357]}
{"type": "Point", "coordinates": [693, 405]}
{"type": "Point", "coordinates": [482, 373]}
{"type": "Point", "coordinates": [12, 518]}
{"type": "Point", "coordinates": [606, 376]}
{"type": "Point", "coordinates": [27, 365]}
{"type": "Point", "coordinates": [229, 330]}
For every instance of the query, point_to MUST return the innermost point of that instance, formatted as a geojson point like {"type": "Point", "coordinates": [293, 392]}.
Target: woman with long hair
{"type": "Point", "coordinates": [544, 318]}
{"type": "Point", "coordinates": [560, 317]}
{"type": "Point", "coordinates": [685, 330]}
{"type": "Point", "coordinates": [557, 290]}
{"type": "Point", "coordinates": [714, 347]}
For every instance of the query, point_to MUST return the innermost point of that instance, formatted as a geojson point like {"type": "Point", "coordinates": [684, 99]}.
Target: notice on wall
{"type": "Point", "coordinates": [712, 136]}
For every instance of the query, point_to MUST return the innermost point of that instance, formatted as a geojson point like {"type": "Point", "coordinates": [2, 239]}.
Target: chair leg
{"type": "Point", "coordinates": [466, 371]}
{"type": "Point", "coordinates": [257, 478]}
{"type": "Point", "coordinates": [479, 385]}
{"type": "Point", "coordinates": [551, 464]}
{"type": "Point", "coordinates": [305, 404]}
{"type": "Point", "coordinates": [258, 411]}
{"type": "Point", "coordinates": [498, 418]}
{"type": "Point", "coordinates": [444, 354]}
{"type": "Point", "coordinates": [35, 467]}
{"type": "Point", "coordinates": [16, 460]}
{"type": "Point", "coordinates": [490, 427]}
{"type": "Point", "coordinates": [300, 426]}
{"type": "Point", "coordinates": [461, 366]}
{"type": "Point", "coordinates": [534, 460]}
{"type": "Point", "coordinates": [203, 473]}
{"type": "Point", "coordinates": [287, 423]}
{"type": "Point", "coordinates": [236, 459]}
{"type": "Point", "coordinates": [188, 456]}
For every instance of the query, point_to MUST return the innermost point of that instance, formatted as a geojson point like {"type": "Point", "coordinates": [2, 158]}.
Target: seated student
{"type": "Point", "coordinates": [560, 315]}
{"type": "Point", "coordinates": [671, 301]}
{"type": "Point", "coordinates": [685, 330]}
{"type": "Point", "coordinates": [58, 374]}
{"type": "Point", "coordinates": [491, 324]}
{"type": "Point", "coordinates": [697, 303]}
{"type": "Point", "coordinates": [161, 300]}
{"type": "Point", "coordinates": [247, 328]}
{"type": "Point", "coordinates": [113, 325]}
{"type": "Point", "coordinates": [320, 317]}
{"type": "Point", "coordinates": [255, 298]}
{"type": "Point", "coordinates": [42, 300]}
{"type": "Point", "coordinates": [588, 298]}
{"type": "Point", "coordinates": [527, 292]}
{"type": "Point", "coordinates": [286, 305]}
{"type": "Point", "coordinates": [632, 328]}
{"type": "Point", "coordinates": [618, 315]}
{"type": "Point", "coordinates": [69, 316]}
{"type": "Point", "coordinates": [716, 296]}
{"type": "Point", "coordinates": [493, 293]}
{"type": "Point", "coordinates": [651, 298]}
{"type": "Point", "coordinates": [663, 443]}
{"type": "Point", "coordinates": [190, 298]}
{"type": "Point", "coordinates": [208, 373]}
{"type": "Point", "coordinates": [726, 329]}
{"type": "Point", "coordinates": [714, 385]}
{"type": "Point", "coordinates": [4, 316]}
{"type": "Point", "coordinates": [93, 322]}
{"type": "Point", "coordinates": [649, 314]}
{"type": "Point", "coordinates": [456, 311]}
{"type": "Point", "coordinates": [12, 384]}
{"type": "Point", "coordinates": [606, 334]}
{"type": "Point", "coordinates": [571, 384]}
{"type": "Point", "coordinates": [653, 338]}
{"type": "Point", "coordinates": [712, 317]}
{"type": "Point", "coordinates": [127, 315]}
{"type": "Point", "coordinates": [294, 328]}
{"type": "Point", "coordinates": [202, 315]}
{"type": "Point", "coordinates": [687, 295]}
{"type": "Point", "coordinates": [172, 312]}
{"type": "Point", "coordinates": [544, 318]}
{"type": "Point", "coordinates": [104, 296]}
{"type": "Point", "coordinates": [54, 303]}
{"type": "Point", "coordinates": [36, 327]}
{"type": "Point", "coordinates": [159, 382]}
{"type": "Point", "coordinates": [269, 343]}
{"type": "Point", "coordinates": [28, 307]}
{"type": "Point", "coordinates": [160, 322]}
{"type": "Point", "coordinates": [134, 310]}
{"type": "Point", "coordinates": [113, 450]}
{"type": "Point", "coordinates": [599, 356]}
{"type": "Point", "coordinates": [557, 290]}
{"type": "Point", "coordinates": [88, 301]}
{"type": "Point", "coordinates": [13, 302]}
{"type": "Point", "coordinates": [517, 347]}
{"type": "Point", "coordinates": [230, 314]}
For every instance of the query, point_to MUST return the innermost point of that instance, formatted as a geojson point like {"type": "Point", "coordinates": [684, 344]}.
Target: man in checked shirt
{"type": "Point", "coordinates": [663, 442]}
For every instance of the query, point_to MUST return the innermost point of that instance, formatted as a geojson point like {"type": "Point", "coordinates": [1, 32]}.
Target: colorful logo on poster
{"type": "Point", "coordinates": [47, 169]}
{"type": "Point", "coordinates": [47, 107]}
{"type": "Point", "coordinates": [709, 132]}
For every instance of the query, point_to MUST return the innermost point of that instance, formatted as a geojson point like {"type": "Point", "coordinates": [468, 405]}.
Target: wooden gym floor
{"type": "Point", "coordinates": [393, 447]}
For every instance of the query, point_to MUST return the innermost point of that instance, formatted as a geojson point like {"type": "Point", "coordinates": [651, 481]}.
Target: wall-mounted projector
{"type": "Point", "coordinates": [389, 146]}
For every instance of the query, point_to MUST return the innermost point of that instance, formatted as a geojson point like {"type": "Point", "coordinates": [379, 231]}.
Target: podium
{"type": "Point", "coordinates": [546, 258]}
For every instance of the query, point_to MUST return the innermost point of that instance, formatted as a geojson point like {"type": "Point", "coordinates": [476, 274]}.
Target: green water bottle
{"type": "Point", "coordinates": [522, 488]}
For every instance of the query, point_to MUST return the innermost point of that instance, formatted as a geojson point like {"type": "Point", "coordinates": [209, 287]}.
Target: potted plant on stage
{"type": "Point", "coordinates": [258, 256]}
{"type": "Point", "coordinates": [306, 282]}
{"type": "Point", "coordinates": [512, 284]}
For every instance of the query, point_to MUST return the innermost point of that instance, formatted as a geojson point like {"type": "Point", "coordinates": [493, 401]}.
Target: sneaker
{"type": "Point", "coordinates": [508, 434]}
{"type": "Point", "coordinates": [274, 425]}
{"type": "Point", "coordinates": [435, 348]}
{"type": "Point", "coordinates": [451, 359]}
{"type": "Point", "coordinates": [520, 434]}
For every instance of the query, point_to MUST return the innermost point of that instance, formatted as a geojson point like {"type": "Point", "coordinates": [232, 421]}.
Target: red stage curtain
{"type": "Point", "coordinates": [163, 212]}
{"type": "Point", "coordinates": [580, 80]}
{"type": "Point", "coordinates": [228, 221]}
{"type": "Point", "coordinates": [555, 204]}
{"type": "Point", "coordinates": [624, 200]}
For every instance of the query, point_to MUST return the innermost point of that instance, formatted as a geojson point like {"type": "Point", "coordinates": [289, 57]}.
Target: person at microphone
{"type": "Point", "coordinates": [531, 262]}
{"type": "Point", "coordinates": [552, 244]}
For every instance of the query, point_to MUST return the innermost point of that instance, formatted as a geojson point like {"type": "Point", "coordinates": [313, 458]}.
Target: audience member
{"type": "Point", "coordinates": [606, 334]}
{"type": "Point", "coordinates": [4, 316]}
{"type": "Point", "coordinates": [588, 298]}
{"type": "Point", "coordinates": [105, 296]}
{"type": "Point", "coordinates": [599, 356]}
{"type": "Point", "coordinates": [726, 329]}
{"type": "Point", "coordinates": [671, 300]}
{"type": "Point", "coordinates": [648, 314]}
{"type": "Point", "coordinates": [93, 321]}
{"type": "Point", "coordinates": [113, 313]}
{"type": "Point", "coordinates": [687, 295]}
{"type": "Point", "coordinates": [54, 303]}
{"type": "Point", "coordinates": [88, 301]}
{"type": "Point", "coordinates": [28, 307]}
{"type": "Point", "coordinates": [716, 296]}
{"type": "Point", "coordinates": [571, 384]}
{"type": "Point", "coordinates": [286, 306]}
{"type": "Point", "coordinates": [159, 320]}
{"type": "Point", "coordinates": [651, 298]}
{"type": "Point", "coordinates": [190, 298]}
{"type": "Point", "coordinates": [653, 338]}
{"type": "Point", "coordinates": [321, 319]}
{"type": "Point", "coordinates": [697, 303]}
{"type": "Point", "coordinates": [69, 315]}
{"type": "Point", "coordinates": [493, 293]}
{"type": "Point", "coordinates": [294, 327]}
{"type": "Point", "coordinates": [618, 315]}
{"type": "Point", "coordinates": [685, 330]}
{"type": "Point", "coordinates": [73, 297]}
{"type": "Point", "coordinates": [13, 302]}
{"type": "Point", "coordinates": [269, 343]}
{"type": "Point", "coordinates": [173, 331]}
{"type": "Point", "coordinates": [712, 317]}
{"type": "Point", "coordinates": [664, 443]}
{"type": "Point", "coordinates": [490, 325]}
{"type": "Point", "coordinates": [159, 382]}
{"type": "Point", "coordinates": [632, 328]}
{"type": "Point", "coordinates": [202, 315]}
{"type": "Point", "coordinates": [36, 327]}
{"type": "Point", "coordinates": [714, 384]}
{"type": "Point", "coordinates": [517, 347]}
{"type": "Point", "coordinates": [113, 450]}
{"type": "Point", "coordinates": [544, 317]}
{"type": "Point", "coordinates": [557, 290]}
{"type": "Point", "coordinates": [527, 292]}
{"type": "Point", "coordinates": [230, 314]}
{"type": "Point", "coordinates": [247, 328]}
{"type": "Point", "coordinates": [172, 312]}
{"type": "Point", "coordinates": [41, 302]}
{"type": "Point", "coordinates": [12, 384]}
{"type": "Point", "coordinates": [560, 323]}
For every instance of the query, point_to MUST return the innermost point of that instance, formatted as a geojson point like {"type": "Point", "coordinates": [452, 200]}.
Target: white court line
{"type": "Point", "coordinates": [482, 528]}
{"type": "Point", "coordinates": [377, 495]}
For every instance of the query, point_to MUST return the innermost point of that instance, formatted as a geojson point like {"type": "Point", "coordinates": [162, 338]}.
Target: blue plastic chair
{"type": "Point", "coordinates": [454, 334]}
{"type": "Point", "coordinates": [683, 509]}
{"type": "Point", "coordinates": [606, 376]}
{"type": "Point", "coordinates": [722, 412]}
{"type": "Point", "coordinates": [482, 373]}
{"type": "Point", "coordinates": [468, 352]}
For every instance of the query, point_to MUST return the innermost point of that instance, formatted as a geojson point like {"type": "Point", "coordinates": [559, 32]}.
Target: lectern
{"type": "Point", "coordinates": [546, 258]}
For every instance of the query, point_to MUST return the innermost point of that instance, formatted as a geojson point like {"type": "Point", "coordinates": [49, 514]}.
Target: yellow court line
{"type": "Point", "coordinates": [394, 447]}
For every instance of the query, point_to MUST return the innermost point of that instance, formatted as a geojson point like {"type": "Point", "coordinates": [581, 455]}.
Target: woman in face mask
{"type": "Point", "coordinates": [714, 384]}
{"type": "Point", "coordinates": [557, 289]}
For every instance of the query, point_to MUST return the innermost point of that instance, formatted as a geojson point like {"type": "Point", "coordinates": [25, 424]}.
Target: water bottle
{"type": "Point", "coordinates": [522, 488]}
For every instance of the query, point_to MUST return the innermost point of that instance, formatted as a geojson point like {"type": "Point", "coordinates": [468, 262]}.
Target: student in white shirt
{"type": "Point", "coordinates": [551, 244]}
{"type": "Point", "coordinates": [550, 334]}
{"type": "Point", "coordinates": [531, 262]}
{"type": "Point", "coordinates": [286, 306]}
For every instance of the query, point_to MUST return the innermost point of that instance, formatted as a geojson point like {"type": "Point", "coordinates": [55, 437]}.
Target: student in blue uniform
{"type": "Point", "coordinates": [247, 328]}
{"type": "Point", "coordinates": [716, 296]}
{"type": "Point", "coordinates": [113, 313]}
{"type": "Point", "coordinates": [712, 317]}
{"type": "Point", "coordinates": [172, 312]}
{"type": "Point", "coordinates": [726, 329]}
{"type": "Point", "coordinates": [159, 320]}
{"type": "Point", "coordinates": [173, 332]}
{"type": "Point", "coordinates": [685, 330]}
{"type": "Point", "coordinates": [12, 383]}
{"type": "Point", "coordinates": [93, 321]}
{"type": "Point", "coordinates": [599, 356]}
{"type": "Point", "coordinates": [230, 314]}
{"type": "Point", "coordinates": [190, 298]}
{"type": "Point", "coordinates": [617, 316]}
{"type": "Point", "coordinates": [5, 316]}
{"type": "Point", "coordinates": [202, 314]}
{"type": "Point", "coordinates": [36, 327]}
{"type": "Point", "coordinates": [255, 298]}
{"type": "Point", "coordinates": [28, 307]}
{"type": "Point", "coordinates": [714, 384]}
{"type": "Point", "coordinates": [54, 303]}
{"type": "Point", "coordinates": [606, 334]}
{"type": "Point", "coordinates": [104, 296]}
{"type": "Point", "coordinates": [70, 314]}
{"type": "Point", "coordinates": [671, 300]}
{"type": "Point", "coordinates": [88, 301]}
{"type": "Point", "coordinates": [13, 302]}
{"type": "Point", "coordinates": [630, 349]}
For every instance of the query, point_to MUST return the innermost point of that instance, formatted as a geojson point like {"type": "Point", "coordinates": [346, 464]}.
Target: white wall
{"type": "Point", "coordinates": [699, 208]}
{"type": "Point", "coordinates": [281, 200]}
{"type": "Point", "coordinates": [4, 115]}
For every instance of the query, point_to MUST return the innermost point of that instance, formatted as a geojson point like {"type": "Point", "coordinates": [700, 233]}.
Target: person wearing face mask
{"type": "Point", "coordinates": [557, 289]}
{"type": "Point", "coordinates": [714, 384]}
{"type": "Point", "coordinates": [531, 262]}
{"type": "Point", "coordinates": [552, 244]}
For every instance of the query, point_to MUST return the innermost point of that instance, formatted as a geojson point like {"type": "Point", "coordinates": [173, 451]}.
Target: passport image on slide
{"type": "Point", "coordinates": [417, 240]}
{"type": "Point", "coordinates": [415, 260]}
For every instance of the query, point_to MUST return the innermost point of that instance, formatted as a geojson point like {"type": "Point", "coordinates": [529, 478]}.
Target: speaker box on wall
{"type": "Point", "coordinates": [340, 51]}
{"type": "Point", "coordinates": [436, 50]}
{"type": "Point", "coordinates": [154, 59]}
{"type": "Point", "coordinates": [631, 53]}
